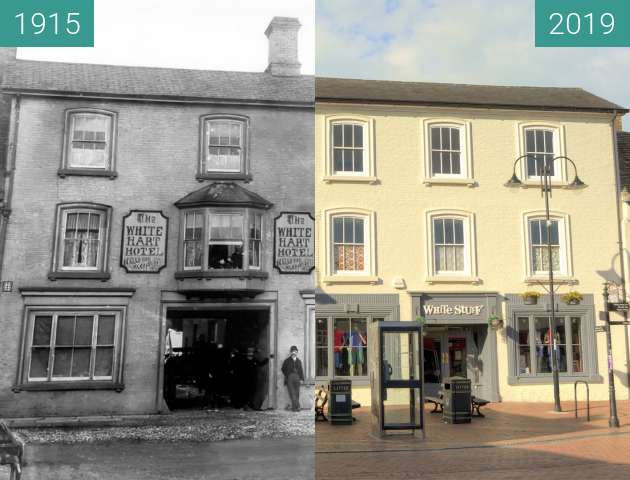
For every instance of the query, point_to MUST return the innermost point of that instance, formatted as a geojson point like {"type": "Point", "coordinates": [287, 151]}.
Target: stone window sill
{"type": "Point", "coordinates": [445, 279]}
{"type": "Point", "coordinates": [102, 276]}
{"type": "Point", "coordinates": [350, 179]}
{"type": "Point", "coordinates": [548, 380]}
{"type": "Point", "coordinates": [226, 273]}
{"type": "Point", "coordinates": [560, 280]}
{"type": "Point", "coordinates": [69, 385]}
{"type": "Point", "coordinates": [468, 182]}
{"type": "Point", "coordinates": [224, 176]}
{"type": "Point", "coordinates": [86, 172]}
{"type": "Point", "coordinates": [372, 280]}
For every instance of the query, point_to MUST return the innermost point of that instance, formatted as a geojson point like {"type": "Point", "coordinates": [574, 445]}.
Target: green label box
{"type": "Point", "coordinates": [46, 23]}
{"type": "Point", "coordinates": [582, 23]}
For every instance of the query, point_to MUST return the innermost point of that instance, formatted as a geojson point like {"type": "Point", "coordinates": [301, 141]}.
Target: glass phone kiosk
{"type": "Point", "coordinates": [395, 371]}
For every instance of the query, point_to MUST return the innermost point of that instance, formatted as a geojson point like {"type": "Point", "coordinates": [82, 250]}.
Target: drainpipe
{"type": "Point", "coordinates": [5, 206]}
{"type": "Point", "coordinates": [622, 257]}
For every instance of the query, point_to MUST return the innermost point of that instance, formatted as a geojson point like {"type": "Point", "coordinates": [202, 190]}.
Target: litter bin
{"type": "Point", "coordinates": [340, 402]}
{"type": "Point", "coordinates": [456, 400]}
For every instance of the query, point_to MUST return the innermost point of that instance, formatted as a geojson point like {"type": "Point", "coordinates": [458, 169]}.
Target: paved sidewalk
{"type": "Point", "coordinates": [514, 441]}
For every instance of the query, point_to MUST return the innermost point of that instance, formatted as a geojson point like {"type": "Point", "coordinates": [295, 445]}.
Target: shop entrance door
{"type": "Point", "coordinates": [445, 355]}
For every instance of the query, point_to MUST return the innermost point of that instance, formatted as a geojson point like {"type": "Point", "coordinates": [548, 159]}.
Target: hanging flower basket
{"type": "Point", "coordinates": [530, 298]}
{"type": "Point", "coordinates": [572, 298]}
{"type": "Point", "coordinates": [422, 321]}
{"type": "Point", "coordinates": [495, 322]}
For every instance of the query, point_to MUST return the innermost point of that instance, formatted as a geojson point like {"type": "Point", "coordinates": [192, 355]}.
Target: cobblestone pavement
{"type": "Point", "coordinates": [277, 459]}
{"type": "Point", "coordinates": [196, 426]}
{"type": "Point", "coordinates": [514, 441]}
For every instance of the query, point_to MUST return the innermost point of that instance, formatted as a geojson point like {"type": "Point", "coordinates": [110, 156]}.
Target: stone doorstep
{"type": "Point", "coordinates": [132, 420]}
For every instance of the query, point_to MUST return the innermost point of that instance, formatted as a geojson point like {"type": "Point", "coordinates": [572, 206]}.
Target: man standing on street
{"type": "Point", "coordinates": [293, 375]}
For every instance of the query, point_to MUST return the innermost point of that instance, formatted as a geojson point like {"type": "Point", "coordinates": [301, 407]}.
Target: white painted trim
{"type": "Point", "coordinates": [566, 256]}
{"type": "Point", "coordinates": [559, 150]}
{"type": "Point", "coordinates": [369, 172]}
{"type": "Point", "coordinates": [465, 128]}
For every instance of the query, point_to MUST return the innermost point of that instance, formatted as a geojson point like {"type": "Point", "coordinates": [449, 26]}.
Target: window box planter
{"type": "Point", "coordinates": [530, 298]}
{"type": "Point", "coordinates": [572, 298]}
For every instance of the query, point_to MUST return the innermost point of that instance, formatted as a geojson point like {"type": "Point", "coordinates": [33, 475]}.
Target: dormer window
{"type": "Point", "coordinates": [223, 148]}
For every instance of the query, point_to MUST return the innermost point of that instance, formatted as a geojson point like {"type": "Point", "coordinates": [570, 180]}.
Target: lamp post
{"type": "Point", "coordinates": [544, 171]}
{"type": "Point", "coordinates": [613, 420]}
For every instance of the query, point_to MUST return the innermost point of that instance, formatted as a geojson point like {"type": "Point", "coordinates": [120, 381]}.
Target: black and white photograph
{"type": "Point", "coordinates": [154, 309]}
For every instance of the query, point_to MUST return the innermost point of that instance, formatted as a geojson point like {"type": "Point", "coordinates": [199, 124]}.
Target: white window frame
{"type": "Point", "coordinates": [560, 168]}
{"type": "Point", "coordinates": [564, 233]}
{"type": "Point", "coordinates": [110, 381]}
{"type": "Point", "coordinates": [109, 169]}
{"type": "Point", "coordinates": [368, 274]}
{"type": "Point", "coordinates": [102, 260]}
{"type": "Point", "coordinates": [469, 274]}
{"type": "Point", "coordinates": [204, 135]}
{"type": "Point", "coordinates": [465, 177]}
{"type": "Point", "coordinates": [368, 173]}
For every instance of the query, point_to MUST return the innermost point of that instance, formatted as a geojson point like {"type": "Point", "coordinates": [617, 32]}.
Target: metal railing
{"type": "Point", "coordinates": [588, 402]}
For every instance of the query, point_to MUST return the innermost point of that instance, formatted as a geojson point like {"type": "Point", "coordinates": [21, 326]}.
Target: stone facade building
{"type": "Point", "coordinates": [141, 210]}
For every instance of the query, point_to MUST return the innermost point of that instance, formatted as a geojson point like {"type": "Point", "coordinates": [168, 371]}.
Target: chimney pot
{"type": "Point", "coordinates": [282, 33]}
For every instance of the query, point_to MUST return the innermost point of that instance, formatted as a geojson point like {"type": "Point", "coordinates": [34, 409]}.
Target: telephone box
{"type": "Point", "coordinates": [395, 370]}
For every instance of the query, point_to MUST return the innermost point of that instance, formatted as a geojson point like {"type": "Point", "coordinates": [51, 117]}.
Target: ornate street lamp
{"type": "Point", "coordinates": [544, 170]}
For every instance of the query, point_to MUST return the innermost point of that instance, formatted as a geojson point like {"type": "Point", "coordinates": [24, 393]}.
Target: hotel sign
{"type": "Point", "coordinates": [143, 247]}
{"type": "Point", "coordinates": [294, 242]}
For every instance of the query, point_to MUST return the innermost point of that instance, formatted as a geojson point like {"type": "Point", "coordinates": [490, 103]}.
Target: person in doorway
{"type": "Point", "coordinates": [260, 392]}
{"type": "Point", "coordinates": [293, 375]}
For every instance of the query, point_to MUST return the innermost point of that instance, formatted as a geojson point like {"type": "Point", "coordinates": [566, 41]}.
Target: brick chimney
{"type": "Point", "coordinates": [7, 58]}
{"type": "Point", "coordinates": [282, 33]}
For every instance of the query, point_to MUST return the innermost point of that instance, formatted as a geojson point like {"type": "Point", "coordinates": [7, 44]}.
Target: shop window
{"type": "Point", "coordinates": [535, 345]}
{"type": "Point", "coordinates": [215, 240]}
{"type": "Point", "coordinates": [224, 147]}
{"type": "Point", "coordinates": [81, 241]}
{"type": "Point", "coordinates": [341, 347]}
{"type": "Point", "coordinates": [89, 145]}
{"type": "Point", "coordinates": [73, 348]}
{"type": "Point", "coordinates": [451, 246]}
{"type": "Point", "coordinates": [538, 236]}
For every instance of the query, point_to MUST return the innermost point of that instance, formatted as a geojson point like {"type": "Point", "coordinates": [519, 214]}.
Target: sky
{"type": "Point", "coordinates": [458, 41]}
{"type": "Point", "coordinates": [198, 34]}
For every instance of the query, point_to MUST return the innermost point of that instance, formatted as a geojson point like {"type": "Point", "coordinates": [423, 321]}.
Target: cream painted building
{"type": "Point", "coordinates": [414, 220]}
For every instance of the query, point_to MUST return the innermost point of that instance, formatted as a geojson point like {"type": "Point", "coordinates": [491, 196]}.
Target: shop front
{"type": "Point", "coordinates": [458, 340]}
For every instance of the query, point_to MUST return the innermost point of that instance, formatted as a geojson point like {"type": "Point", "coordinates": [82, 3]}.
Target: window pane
{"type": "Point", "coordinates": [459, 231]}
{"type": "Point", "coordinates": [321, 347]}
{"type": "Point", "coordinates": [338, 230]}
{"type": "Point", "coordinates": [446, 163]}
{"type": "Point", "coordinates": [106, 327]}
{"type": "Point", "coordinates": [337, 135]}
{"type": "Point", "coordinates": [530, 141]}
{"type": "Point", "coordinates": [88, 147]}
{"type": "Point", "coordinates": [348, 230]}
{"type": "Point", "coordinates": [455, 139]}
{"type": "Point", "coordinates": [358, 160]}
{"type": "Point", "coordinates": [449, 233]}
{"type": "Point", "coordinates": [524, 359]}
{"type": "Point", "coordinates": [576, 343]}
{"type": "Point", "coordinates": [63, 360]}
{"type": "Point", "coordinates": [347, 160]}
{"type": "Point", "coordinates": [436, 143]}
{"type": "Point", "coordinates": [39, 362]}
{"type": "Point", "coordinates": [347, 135]}
{"type": "Point", "coordinates": [83, 330]}
{"type": "Point", "coordinates": [543, 351]}
{"type": "Point", "coordinates": [438, 230]}
{"type": "Point", "coordinates": [338, 159]}
{"type": "Point", "coordinates": [358, 230]}
{"type": "Point", "coordinates": [555, 236]}
{"type": "Point", "coordinates": [436, 162]}
{"type": "Point", "coordinates": [358, 136]}
{"type": "Point", "coordinates": [534, 228]}
{"type": "Point", "coordinates": [65, 330]}
{"type": "Point", "coordinates": [41, 330]}
{"type": "Point", "coordinates": [446, 139]}
{"type": "Point", "coordinates": [104, 361]}
{"type": "Point", "coordinates": [81, 362]}
{"type": "Point", "coordinates": [548, 142]}
{"type": "Point", "coordinates": [455, 163]}
{"type": "Point", "coordinates": [357, 343]}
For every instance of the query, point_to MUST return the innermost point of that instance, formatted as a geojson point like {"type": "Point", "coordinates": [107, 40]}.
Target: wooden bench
{"type": "Point", "coordinates": [438, 403]}
{"type": "Point", "coordinates": [475, 404]}
{"type": "Point", "coordinates": [321, 399]}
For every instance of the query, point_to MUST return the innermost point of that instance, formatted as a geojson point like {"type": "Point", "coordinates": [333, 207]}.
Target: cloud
{"type": "Point", "coordinates": [485, 41]}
